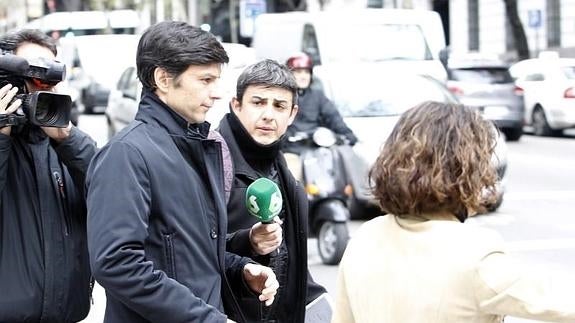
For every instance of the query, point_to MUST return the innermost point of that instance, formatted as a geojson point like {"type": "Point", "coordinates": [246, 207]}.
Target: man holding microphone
{"type": "Point", "coordinates": [263, 108]}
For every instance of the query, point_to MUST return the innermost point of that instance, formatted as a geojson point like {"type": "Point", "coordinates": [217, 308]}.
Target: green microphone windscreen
{"type": "Point", "coordinates": [264, 199]}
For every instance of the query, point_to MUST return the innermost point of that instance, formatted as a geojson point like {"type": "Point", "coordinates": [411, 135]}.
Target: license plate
{"type": "Point", "coordinates": [495, 111]}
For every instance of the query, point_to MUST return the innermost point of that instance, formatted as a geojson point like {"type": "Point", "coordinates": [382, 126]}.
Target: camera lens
{"type": "Point", "coordinates": [46, 110]}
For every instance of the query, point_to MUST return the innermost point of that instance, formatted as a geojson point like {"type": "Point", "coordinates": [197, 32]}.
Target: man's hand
{"type": "Point", "coordinates": [261, 280]}
{"type": "Point", "coordinates": [7, 93]}
{"type": "Point", "coordinates": [58, 134]}
{"type": "Point", "coordinates": [266, 238]}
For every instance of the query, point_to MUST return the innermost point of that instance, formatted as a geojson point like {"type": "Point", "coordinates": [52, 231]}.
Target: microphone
{"type": "Point", "coordinates": [264, 200]}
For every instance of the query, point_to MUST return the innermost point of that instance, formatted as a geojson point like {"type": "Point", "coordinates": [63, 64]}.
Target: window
{"type": "Point", "coordinates": [473, 27]}
{"type": "Point", "coordinates": [310, 45]}
{"type": "Point", "coordinates": [487, 75]}
{"type": "Point", "coordinates": [553, 23]}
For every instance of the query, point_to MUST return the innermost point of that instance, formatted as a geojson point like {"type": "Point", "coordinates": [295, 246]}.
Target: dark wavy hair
{"type": "Point", "coordinates": [174, 46]}
{"type": "Point", "coordinates": [267, 73]}
{"type": "Point", "coordinates": [437, 158]}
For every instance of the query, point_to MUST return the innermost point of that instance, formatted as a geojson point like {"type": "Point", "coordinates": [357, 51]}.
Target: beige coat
{"type": "Point", "coordinates": [425, 271]}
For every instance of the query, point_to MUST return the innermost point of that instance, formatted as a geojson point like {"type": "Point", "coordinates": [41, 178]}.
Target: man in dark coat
{"type": "Point", "coordinates": [44, 269]}
{"type": "Point", "coordinates": [260, 114]}
{"type": "Point", "coordinates": [157, 217]}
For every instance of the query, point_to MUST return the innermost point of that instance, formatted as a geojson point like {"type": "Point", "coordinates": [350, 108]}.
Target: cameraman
{"type": "Point", "coordinates": [44, 268]}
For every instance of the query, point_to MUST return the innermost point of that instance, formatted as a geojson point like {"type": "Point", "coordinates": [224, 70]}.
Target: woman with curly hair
{"type": "Point", "coordinates": [421, 262]}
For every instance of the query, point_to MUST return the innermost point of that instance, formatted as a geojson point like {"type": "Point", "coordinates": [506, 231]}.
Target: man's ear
{"type": "Point", "coordinates": [236, 104]}
{"type": "Point", "coordinates": [162, 79]}
{"type": "Point", "coordinates": [293, 113]}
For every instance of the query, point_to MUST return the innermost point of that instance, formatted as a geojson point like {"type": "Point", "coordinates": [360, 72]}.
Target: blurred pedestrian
{"type": "Point", "coordinates": [156, 209]}
{"type": "Point", "coordinates": [44, 269]}
{"type": "Point", "coordinates": [260, 113]}
{"type": "Point", "coordinates": [421, 262]}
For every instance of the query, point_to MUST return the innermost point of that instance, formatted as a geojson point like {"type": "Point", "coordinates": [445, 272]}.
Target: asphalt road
{"type": "Point", "coordinates": [536, 217]}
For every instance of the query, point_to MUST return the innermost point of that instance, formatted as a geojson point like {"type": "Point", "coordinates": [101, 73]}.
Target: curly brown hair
{"type": "Point", "coordinates": [437, 158]}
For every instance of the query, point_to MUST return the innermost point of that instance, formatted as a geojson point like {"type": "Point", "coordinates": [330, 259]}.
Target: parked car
{"type": "Point", "coordinates": [548, 84]}
{"type": "Point", "coordinates": [371, 107]}
{"type": "Point", "coordinates": [123, 101]}
{"type": "Point", "coordinates": [488, 86]}
{"type": "Point", "coordinates": [96, 63]}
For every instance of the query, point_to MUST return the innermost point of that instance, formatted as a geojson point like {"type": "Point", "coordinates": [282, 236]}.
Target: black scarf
{"type": "Point", "coordinates": [261, 157]}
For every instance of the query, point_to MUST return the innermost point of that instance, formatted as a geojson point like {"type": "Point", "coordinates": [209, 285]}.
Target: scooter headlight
{"type": "Point", "coordinates": [324, 137]}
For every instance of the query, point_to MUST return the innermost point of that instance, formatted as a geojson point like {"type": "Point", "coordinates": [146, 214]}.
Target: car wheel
{"type": "Point", "coordinates": [513, 134]}
{"type": "Point", "coordinates": [540, 124]}
{"type": "Point", "coordinates": [331, 241]}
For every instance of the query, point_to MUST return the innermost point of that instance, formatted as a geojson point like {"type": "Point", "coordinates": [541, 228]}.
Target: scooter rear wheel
{"type": "Point", "coordinates": [331, 241]}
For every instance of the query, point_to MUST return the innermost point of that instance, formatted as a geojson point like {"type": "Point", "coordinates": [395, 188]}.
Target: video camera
{"type": "Point", "coordinates": [41, 108]}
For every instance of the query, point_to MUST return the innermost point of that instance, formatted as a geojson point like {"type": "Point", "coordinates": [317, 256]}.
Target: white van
{"type": "Point", "coordinates": [88, 22]}
{"type": "Point", "coordinates": [410, 39]}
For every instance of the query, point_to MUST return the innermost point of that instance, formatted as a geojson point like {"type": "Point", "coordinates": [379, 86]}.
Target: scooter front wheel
{"type": "Point", "coordinates": [331, 241]}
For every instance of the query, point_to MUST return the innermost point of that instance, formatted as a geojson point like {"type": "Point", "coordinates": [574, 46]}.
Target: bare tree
{"type": "Point", "coordinates": [519, 38]}
{"type": "Point", "coordinates": [291, 5]}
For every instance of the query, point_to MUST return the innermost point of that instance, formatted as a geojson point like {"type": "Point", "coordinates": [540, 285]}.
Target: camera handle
{"type": "Point", "coordinates": [11, 120]}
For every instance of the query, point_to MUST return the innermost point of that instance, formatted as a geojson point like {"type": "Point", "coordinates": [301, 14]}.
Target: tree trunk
{"type": "Point", "coordinates": [519, 38]}
{"type": "Point", "coordinates": [291, 5]}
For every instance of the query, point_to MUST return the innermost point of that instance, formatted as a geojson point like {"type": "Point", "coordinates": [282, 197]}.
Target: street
{"type": "Point", "coordinates": [535, 217]}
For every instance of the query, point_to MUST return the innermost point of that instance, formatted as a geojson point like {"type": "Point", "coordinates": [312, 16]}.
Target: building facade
{"type": "Point", "coordinates": [481, 26]}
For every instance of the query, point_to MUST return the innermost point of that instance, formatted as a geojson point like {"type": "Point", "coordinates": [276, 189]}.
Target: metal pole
{"type": "Point", "coordinates": [193, 12]}
{"type": "Point", "coordinates": [233, 22]}
{"type": "Point", "coordinates": [537, 42]}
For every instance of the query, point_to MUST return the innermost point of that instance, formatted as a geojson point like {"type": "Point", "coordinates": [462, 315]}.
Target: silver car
{"type": "Point", "coordinates": [488, 87]}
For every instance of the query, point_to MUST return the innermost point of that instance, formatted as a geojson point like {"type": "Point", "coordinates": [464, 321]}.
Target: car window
{"type": "Point", "coordinates": [367, 99]}
{"type": "Point", "coordinates": [133, 86]}
{"type": "Point", "coordinates": [482, 75]}
{"type": "Point", "coordinates": [409, 42]}
{"type": "Point", "coordinates": [124, 79]}
{"type": "Point", "coordinates": [535, 77]}
{"type": "Point", "coordinates": [569, 72]}
{"type": "Point", "coordinates": [309, 44]}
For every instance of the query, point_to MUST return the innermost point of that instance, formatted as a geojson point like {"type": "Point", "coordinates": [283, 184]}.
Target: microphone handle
{"type": "Point", "coordinates": [275, 252]}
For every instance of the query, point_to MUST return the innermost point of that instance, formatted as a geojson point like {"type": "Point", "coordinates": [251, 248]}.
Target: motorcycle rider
{"type": "Point", "coordinates": [315, 110]}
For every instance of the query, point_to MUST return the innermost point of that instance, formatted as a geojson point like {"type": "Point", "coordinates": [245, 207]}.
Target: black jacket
{"type": "Point", "coordinates": [44, 271]}
{"type": "Point", "coordinates": [316, 110]}
{"type": "Point", "coordinates": [157, 221]}
{"type": "Point", "coordinates": [299, 288]}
